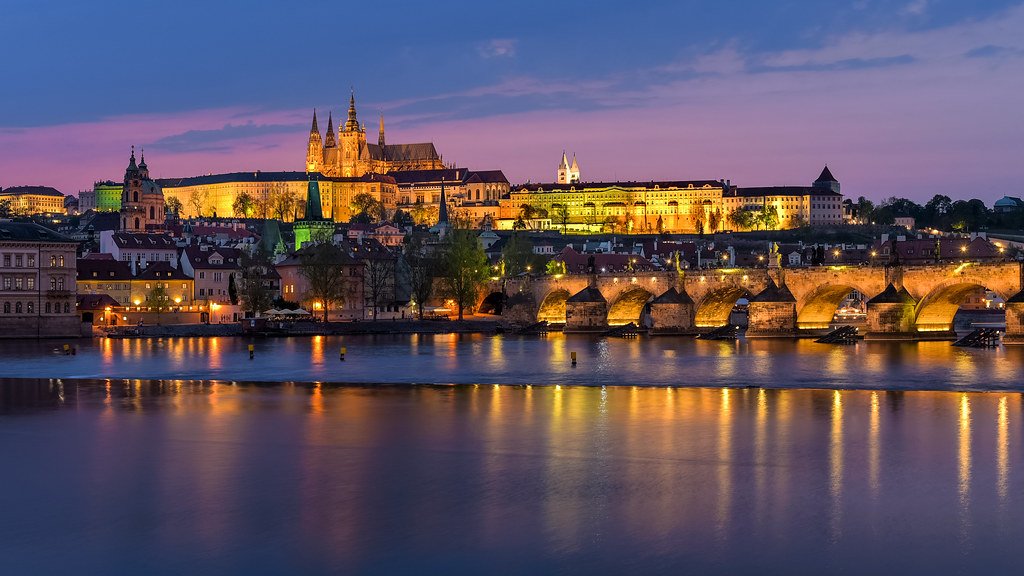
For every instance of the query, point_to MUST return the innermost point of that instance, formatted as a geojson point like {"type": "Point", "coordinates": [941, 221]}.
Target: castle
{"type": "Point", "coordinates": [347, 154]}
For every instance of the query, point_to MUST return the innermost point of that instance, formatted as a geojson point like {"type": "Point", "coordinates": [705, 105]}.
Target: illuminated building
{"type": "Point", "coordinates": [27, 200]}
{"type": "Point", "coordinates": [37, 282]}
{"type": "Point", "coordinates": [142, 201]}
{"type": "Point", "coordinates": [105, 196]}
{"type": "Point", "coordinates": [312, 227]}
{"type": "Point", "coordinates": [819, 204]}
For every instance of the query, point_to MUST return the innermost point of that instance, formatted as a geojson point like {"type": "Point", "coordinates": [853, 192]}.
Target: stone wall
{"type": "Point", "coordinates": [585, 316]}
{"type": "Point", "coordinates": [54, 326]}
{"type": "Point", "coordinates": [672, 318]}
{"type": "Point", "coordinates": [771, 319]}
{"type": "Point", "coordinates": [890, 320]}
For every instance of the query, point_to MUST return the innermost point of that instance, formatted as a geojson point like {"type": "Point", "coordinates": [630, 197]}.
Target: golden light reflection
{"type": "Point", "coordinates": [964, 461]}
{"type": "Point", "coordinates": [1002, 450]}
{"type": "Point", "coordinates": [724, 464]}
{"type": "Point", "coordinates": [761, 453]}
{"type": "Point", "coordinates": [874, 445]}
{"type": "Point", "coordinates": [836, 464]}
{"type": "Point", "coordinates": [316, 400]}
{"type": "Point", "coordinates": [318, 350]}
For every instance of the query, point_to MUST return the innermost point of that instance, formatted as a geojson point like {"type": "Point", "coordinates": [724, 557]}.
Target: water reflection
{"type": "Point", "coordinates": [449, 479]}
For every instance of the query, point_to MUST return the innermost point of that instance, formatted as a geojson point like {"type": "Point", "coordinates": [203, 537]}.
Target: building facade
{"type": "Point", "coordinates": [142, 200]}
{"type": "Point", "coordinates": [28, 200]}
{"type": "Point", "coordinates": [37, 283]}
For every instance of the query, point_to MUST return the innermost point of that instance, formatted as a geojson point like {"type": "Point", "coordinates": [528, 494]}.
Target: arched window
{"type": "Point", "coordinates": [17, 307]}
{"type": "Point", "coordinates": [48, 308]}
{"type": "Point", "coordinates": [151, 216]}
{"type": "Point", "coordinates": [60, 283]}
{"type": "Point", "coordinates": [7, 307]}
{"type": "Point", "coordinates": [30, 307]}
{"type": "Point", "coordinates": [135, 196]}
{"type": "Point", "coordinates": [60, 261]}
{"type": "Point", "coordinates": [136, 223]}
{"type": "Point", "coordinates": [53, 261]}
{"type": "Point", "coordinates": [67, 308]}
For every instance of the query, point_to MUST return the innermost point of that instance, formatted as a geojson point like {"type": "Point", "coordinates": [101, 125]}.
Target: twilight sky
{"type": "Point", "coordinates": [902, 97]}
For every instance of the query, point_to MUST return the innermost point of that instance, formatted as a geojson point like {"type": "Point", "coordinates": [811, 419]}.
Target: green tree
{"type": "Point", "coordinates": [197, 201]}
{"type": "Point", "coordinates": [403, 219]}
{"type": "Point", "coordinates": [464, 267]}
{"type": "Point", "coordinates": [324, 266]}
{"type": "Point", "coordinates": [769, 217]}
{"type": "Point", "coordinates": [517, 254]}
{"type": "Point", "coordinates": [714, 220]}
{"type": "Point", "coordinates": [232, 290]}
{"type": "Point", "coordinates": [422, 267]}
{"type": "Point", "coordinates": [378, 280]}
{"type": "Point", "coordinates": [365, 203]}
{"type": "Point", "coordinates": [865, 210]}
{"type": "Point", "coordinates": [172, 205]}
{"type": "Point", "coordinates": [157, 298]}
{"type": "Point", "coordinates": [255, 295]}
{"type": "Point", "coordinates": [555, 267]}
{"type": "Point", "coordinates": [742, 219]}
{"type": "Point", "coordinates": [244, 205]}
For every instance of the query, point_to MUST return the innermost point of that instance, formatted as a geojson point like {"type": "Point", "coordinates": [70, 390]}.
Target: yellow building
{"type": "Point", "coordinates": [28, 200]}
{"type": "Point", "coordinates": [278, 195]}
{"type": "Point", "coordinates": [637, 207]}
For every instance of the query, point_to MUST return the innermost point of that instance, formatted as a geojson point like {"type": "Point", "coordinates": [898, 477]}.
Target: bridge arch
{"type": "Point", "coordinates": [493, 303]}
{"type": "Point", "coordinates": [715, 307]}
{"type": "Point", "coordinates": [816, 309]}
{"type": "Point", "coordinates": [936, 309]}
{"type": "Point", "coordinates": [628, 306]}
{"type": "Point", "coordinates": [552, 307]}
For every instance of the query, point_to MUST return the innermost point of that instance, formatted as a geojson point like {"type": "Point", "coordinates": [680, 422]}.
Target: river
{"type": "Point", "coordinates": [598, 469]}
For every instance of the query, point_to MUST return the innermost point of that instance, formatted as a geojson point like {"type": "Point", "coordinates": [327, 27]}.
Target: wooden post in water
{"type": "Point", "coordinates": [252, 351]}
{"type": "Point", "coordinates": [573, 356]}
{"type": "Point", "coordinates": [341, 356]}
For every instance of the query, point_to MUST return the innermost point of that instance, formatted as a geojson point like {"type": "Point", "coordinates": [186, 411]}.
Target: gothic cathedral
{"type": "Point", "coordinates": [347, 154]}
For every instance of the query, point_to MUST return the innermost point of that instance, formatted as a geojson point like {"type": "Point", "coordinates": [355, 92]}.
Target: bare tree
{"type": "Point", "coordinates": [324, 267]}
{"type": "Point", "coordinates": [421, 273]}
{"type": "Point", "coordinates": [197, 201]}
{"type": "Point", "coordinates": [378, 281]}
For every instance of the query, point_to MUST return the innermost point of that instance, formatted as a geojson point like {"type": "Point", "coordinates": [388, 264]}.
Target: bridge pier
{"type": "Point", "coordinates": [586, 311]}
{"type": "Point", "coordinates": [891, 315]}
{"type": "Point", "coordinates": [1015, 320]}
{"type": "Point", "coordinates": [772, 313]}
{"type": "Point", "coordinates": [672, 313]}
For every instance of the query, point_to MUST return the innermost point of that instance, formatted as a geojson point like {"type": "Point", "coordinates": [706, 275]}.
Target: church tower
{"type": "Point", "coordinates": [380, 135]}
{"type": "Point", "coordinates": [315, 150]}
{"type": "Point", "coordinates": [330, 147]}
{"type": "Point", "coordinates": [574, 171]}
{"type": "Point", "coordinates": [827, 181]}
{"type": "Point", "coordinates": [352, 140]}
{"type": "Point", "coordinates": [142, 199]}
{"type": "Point", "coordinates": [563, 170]}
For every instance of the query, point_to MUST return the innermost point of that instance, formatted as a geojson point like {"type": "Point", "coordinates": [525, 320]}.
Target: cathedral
{"type": "Point", "coordinates": [142, 199]}
{"type": "Point", "coordinates": [347, 154]}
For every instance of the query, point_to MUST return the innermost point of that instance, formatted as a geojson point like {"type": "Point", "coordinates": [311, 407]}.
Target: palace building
{"type": "Point", "coordinates": [347, 154]}
{"type": "Point", "coordinates": [28, 200]}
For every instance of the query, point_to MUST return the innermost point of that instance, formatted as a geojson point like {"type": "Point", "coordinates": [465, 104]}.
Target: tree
{"type": "Point", "coordinates": [282, 202]}
{"type": "Point", "coordinates": [255, 295]}
{"type": "Point", "coordinates": [244, 205]}
{"type": "Point", "coordinates": [158, 299]}
{"type": "Point", "coordinates": [421, 273]}
{"type": "Point", "coordinates": [714, 220]}
{"type": "Point", "coordinates": [517, 254]}
{"type": "Point", "coordinates": [197, 201]}
{"type": "Point", "coordinates": [378, 280]}
{"type": "Point", "coordinates": [561, 214]}
{"type": "Point", "coordinates": [699, 218]}
{"type": "Point", "coordinates": [464, 267]}
{"type": "Point", "coordinates": [232, 290]}
{"type": "Point", "coordinates": [365, 204]}
{"type": "Point", "coordinates": [324, 266]}
{"type": "Point", "coordinates": [403, 219]}
{"type": "Point", "coordinates": [172, 205]}
{"type": "Point", "coordinates": [865, 210]}
{"type": "Point", "coordinates": [741, 218]}
{"type": "Point", "coordinates": [555, 267]}
{"type": "Point", "coordinates": [460, 218]}
{"type": "Point", "coordinates": [769, 217]}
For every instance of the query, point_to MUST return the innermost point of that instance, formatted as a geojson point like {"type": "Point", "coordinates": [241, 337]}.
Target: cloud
{"type": "Point", "coordinates": [221, 139]}
{"type": "Point", "coordinates": [916, 8]}
{"type": "Point", "coordinates": [498, 48]}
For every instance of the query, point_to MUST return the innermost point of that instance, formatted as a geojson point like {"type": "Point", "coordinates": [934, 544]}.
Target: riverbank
{"type": "Point", "coordinates": [365, 327]}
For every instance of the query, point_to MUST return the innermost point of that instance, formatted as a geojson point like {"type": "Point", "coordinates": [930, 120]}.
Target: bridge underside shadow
{"type": "Point", "coordinates": [628, 307]}
{"type": "Point", "coordinates": [715, 308]}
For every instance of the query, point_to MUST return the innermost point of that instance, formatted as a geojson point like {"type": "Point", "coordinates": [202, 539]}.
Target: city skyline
{"type": "Point", "coordinates": [899, 98]}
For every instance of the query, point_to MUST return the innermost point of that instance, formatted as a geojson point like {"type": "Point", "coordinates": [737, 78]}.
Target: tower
{"type": "Point", "coordinates": [563, 170]}
{"type": "Point", "coordinates": [827, 180]}
{"type": "Point", "coordinates": [380, 135]}
{"type": "Point", "coordinates": [315, 149]}
{"type": "Point", "coordinates": [312, 227]}
{"type": "Point", "coordinates": [351, 141]}
{"type": "Point", "coordinates": [142, 199]}
{"type": "Point", "coordinates": [574, 171]}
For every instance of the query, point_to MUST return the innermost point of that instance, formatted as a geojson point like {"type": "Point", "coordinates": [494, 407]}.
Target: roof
{"type": "Point", "coordinates": [487, 177]}
{"type": "Point", "coordinates": [403, 152]}
{"type": "Point", "coordinates": [668, 184]}
{"type": "Point", "coordinates": [1010, 201]}
{"type": "Point", "coordinates": [140, 240]}
{"type": "Point", "coordinates": [756, 191]}
{"type": "Point", "coordinates": [162, 271]}
{"type": "Point", "coordinates": [90, 268]}
{"type": "Point", "coordinates": [826, 176]}
{"type": "Point", "coordinates": [576, 263]}
{"type": "Point", "coordinates": [1018, 297]}
{"type": "Point", "coordinates": [673, 296]}
{"type": "Point", "coordinates": [454, 175]}
{"type": "Point", "coordinates": [95, 302]}
{"type": "Point", "coordinates": [588, 294]}
{"type": "Point", "coordinates": [26, 190]}
{"type": "Point", "coordinates": [29, 232]}
{"type": "Point", "coordinates": [199, 258]}
{"type": "Point", "coordinates": [774, 293]}
{"type": "Point", "coordinates": [893, 296]}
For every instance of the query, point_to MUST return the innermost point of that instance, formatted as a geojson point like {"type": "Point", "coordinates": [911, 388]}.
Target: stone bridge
{"type": "Point", "coordinates": [905, 302]}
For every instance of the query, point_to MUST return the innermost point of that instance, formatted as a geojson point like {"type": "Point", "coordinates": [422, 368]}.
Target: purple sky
{"type": "Point", "coordinates": [899, 98]}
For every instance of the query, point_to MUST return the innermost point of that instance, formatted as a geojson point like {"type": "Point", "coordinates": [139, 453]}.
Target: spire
{"type": "Point", "coordinates": [329, 138]}
{"type": "Point", "coordinates": [565, 161]}
{"type": "Point", "coordinates": [314, 208]}
{"type": "Point", "coordinates": [131, 161]}
{"type": "Point", "coordinates": [380, 137]}
{"type": "Point", "coordinates": [314, 129]}
{"type": "Point", "coordinates": [142, 165]}
{"type": "Point", "coordinates": [442, 210]}
{"type": "Point", "coordinates": [352, 125]}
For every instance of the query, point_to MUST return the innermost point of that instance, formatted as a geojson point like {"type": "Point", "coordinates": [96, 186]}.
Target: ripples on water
{"type": "Point", "coordinates": [179, 477]}
{"type": "Point", "coordinates": [477, 359]}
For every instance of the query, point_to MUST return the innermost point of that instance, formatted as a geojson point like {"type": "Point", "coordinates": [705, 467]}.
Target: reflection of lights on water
{"type": "Point", "coordinates": [1002, 449]}
{"type": "Point", "coordinates": [874, 447]}
{"type": "Point", "coordinates": [964, 457]}
{"type": "Point", "coordinates": [836, 463]}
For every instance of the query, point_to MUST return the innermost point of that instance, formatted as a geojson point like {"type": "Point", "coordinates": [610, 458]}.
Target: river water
{"type": "Point", "coordinates": [618, 474]}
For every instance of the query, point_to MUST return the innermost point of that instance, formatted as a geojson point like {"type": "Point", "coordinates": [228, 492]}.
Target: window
{"type": "Point", "coordinates": [31, 260]}
{"type": "Point", "coordinates": [53, 283]}
{"type": "Point", "coordinates": [30, 307]}
{"type": "Point", "coordinates": [147, 286]}
{"type": "Point", "coordinates": [7, 260]}
{"type": "Point", "coordinates": [67, 308]}
{"type": "Point", "coordinates": [7, 307]}
{"type": "Point", "coordinates": [17, 260]}
{"type": "Point", "coordinates": [60, 260]}
{"type": "Point", "coordinates": [60, 283]}
{"type": "Point", "coordinates": [17, 307]}
{"type": "Point", "coordinates": [202, 275]}
{"type": "Point", "coordinates": [30, 283]}
{"type": "Point", "coordinates": [48, 307]}
{"type": "Point", "coordinates": [53, 261]}
{"type": "Point", "coordinates": [7, 283]}
{"type": "Point", "coordinates": [19, 283]}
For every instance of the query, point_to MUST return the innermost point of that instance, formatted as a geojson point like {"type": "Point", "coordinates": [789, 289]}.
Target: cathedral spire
{"type": "Point", "coordinates": [314, 128]}
{"type": "Point", "coordinates": [442, 210]}
{"type": "Point", "coordinates": [380, 136]}
{"type": "Point", "coordinates": [329, 137]}
{"type": "Point", "coordinates": [352, 125]}
{"type": "Point", "coordinates": [131, 161]}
